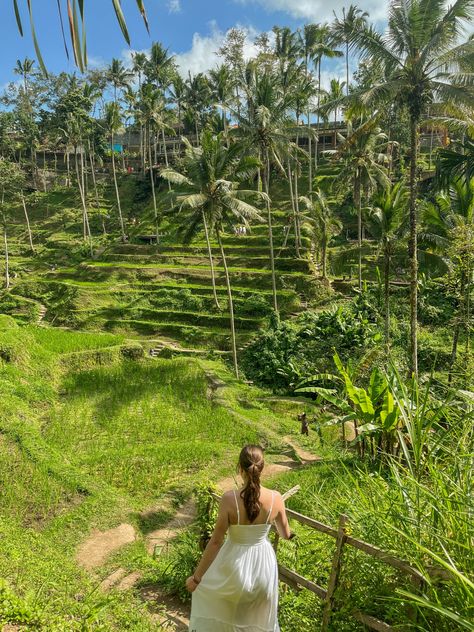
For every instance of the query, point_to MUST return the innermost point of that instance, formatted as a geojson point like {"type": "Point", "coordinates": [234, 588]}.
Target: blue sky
{"type": "Point", "coordinates": [193, 29]}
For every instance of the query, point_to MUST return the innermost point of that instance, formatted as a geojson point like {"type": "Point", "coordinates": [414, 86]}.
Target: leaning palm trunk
{"type": "Point", "coordinates": [413, 246]}
{"type": "Point", "coordinates": [231, 304]}
{"type": "Point", "coordinates": [85, 216]}
{"type": "Point", "coordinates": [211, 262]}
{"type": "Point", "coordinates": [266, 172]}
{"type": "Point", "coordinates": [117, 192]}
{"type": "Point", "coordinates": [165, 151]}
{"type": "Point", "coordinates": [153, 193]}
{"type": "Point", "coordinates": [30, 236]}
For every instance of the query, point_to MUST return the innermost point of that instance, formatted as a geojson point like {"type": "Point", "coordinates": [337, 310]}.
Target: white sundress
{"type": "Point", "coordinates": [239, 591]}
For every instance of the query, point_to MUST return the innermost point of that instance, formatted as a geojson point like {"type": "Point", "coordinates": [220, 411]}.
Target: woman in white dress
{"type": "Point", "coordinates": [235, 585]}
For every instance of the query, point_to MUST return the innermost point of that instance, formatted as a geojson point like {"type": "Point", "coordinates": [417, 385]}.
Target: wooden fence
{"type": "Point", "coordinates": [327, 595]}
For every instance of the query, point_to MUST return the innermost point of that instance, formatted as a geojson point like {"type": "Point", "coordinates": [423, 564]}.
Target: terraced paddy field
{"type": "Point", "coordinates": [158, 291]}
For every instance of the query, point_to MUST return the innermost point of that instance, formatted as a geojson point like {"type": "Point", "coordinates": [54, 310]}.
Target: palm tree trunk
{"type": "Point", "coordinates": [85, 215]}
{"type": "Point", "coordinates": [231, 305]}
{"type": "Point", "coordinates": [324, 255]}
{"type": "Point", "coordinates": [347, 68]}
{"type": "Point", "coordinates": [310, 152]}
{"type": "Point", "coordinates": [30, 236]}
{"type": "Point", "coordinates": [293, 205]}
{"type": "Point", "coordinates": [387, 296]}
{"type": "Point", "coordinates": [316, 149]}
{"type": "Point", "coordinates": [266, 184]}
{"type": "Point", "coordinates": [152, 181]}
{"type": "Point", "coordinates": [412, 251]}
{"type": "Point", "coordinates": [165, 150]}
{"type": "Point", "coordinates": [117, 192]}
{"type": "Point", "coordinates": [467, 351]}
{"type": "Point", "coordinates": [211, 261]}
{"type": "Point", "coordinates": [358, 204]}
{"type": "Point", "coordinates": [7, 259]}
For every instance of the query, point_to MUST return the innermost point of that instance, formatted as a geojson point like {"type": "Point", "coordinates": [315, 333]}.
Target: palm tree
{"type": "Point", "coordinates": [140, 61]}
{"type": "Point", "coordinates": [363, 155]}
{"type": "Point", "coordinates": [222, 88]}
{"type": "Point", "coordinates": [264, 127]}
{"type": "Point", "coordinates": [386, 223]}
{"type": "Point", "coordinates": [342, 29]}
{"type": "Point", "coordinates": [448, 221]}
{"type": "Point", "coordinates": [208, 195]}
{"type": "Point", "coordinates": [25, 69]}
{"type": "Point", "coordinates": [332, 102]}
{"type": "Point", "coordinates": [320, 215]}
{"type": "Point", "coordinates": [161, 66]}
{"type": "Point", "coordinates": [113, 124]}
{"type": "Point", "coordinates": [118, 77]}
{"type": "Point", "coordinates": [323, 48]}
{"type": "Point", "coordinates": [422, 58]}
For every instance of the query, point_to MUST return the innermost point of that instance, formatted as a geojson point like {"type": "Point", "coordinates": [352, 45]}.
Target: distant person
{"type": "Point", "coordinates": [235, 585]}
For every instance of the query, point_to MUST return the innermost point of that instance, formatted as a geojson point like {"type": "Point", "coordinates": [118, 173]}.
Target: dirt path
{"type": "Point", "coordinates": [101, 544]}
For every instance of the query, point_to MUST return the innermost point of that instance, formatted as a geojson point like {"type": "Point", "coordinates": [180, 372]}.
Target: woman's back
{"type": "Point", "coordinates": [238, 513]}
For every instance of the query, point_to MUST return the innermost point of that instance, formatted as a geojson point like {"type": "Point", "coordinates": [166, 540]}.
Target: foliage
{"type": "Point", "coordinates": [283, 352]}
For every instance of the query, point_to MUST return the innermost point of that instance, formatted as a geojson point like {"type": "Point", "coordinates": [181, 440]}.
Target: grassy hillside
{"type": "Point", "coordinates": [110, 441]}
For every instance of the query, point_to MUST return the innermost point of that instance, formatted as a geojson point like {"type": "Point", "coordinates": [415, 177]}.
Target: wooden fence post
{"type": "Point", "coordinates": [335, 572]}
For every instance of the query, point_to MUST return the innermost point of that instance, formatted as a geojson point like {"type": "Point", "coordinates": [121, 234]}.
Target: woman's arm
{"type": "Point", "coordinates": [281, 519]}
{"type": "Point", "coordinates": [214, 544]}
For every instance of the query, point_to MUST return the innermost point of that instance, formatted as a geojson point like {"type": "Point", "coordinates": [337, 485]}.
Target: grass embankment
{"type": "Point", "coordinates": [95, 448]}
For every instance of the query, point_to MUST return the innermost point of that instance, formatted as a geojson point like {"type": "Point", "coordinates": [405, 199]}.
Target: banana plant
{"type": "Point", "coordinates": [373, 411]}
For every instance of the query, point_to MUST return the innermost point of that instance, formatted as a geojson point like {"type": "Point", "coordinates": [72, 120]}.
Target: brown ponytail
{"type": "Point", "coordinates": [251, 462]}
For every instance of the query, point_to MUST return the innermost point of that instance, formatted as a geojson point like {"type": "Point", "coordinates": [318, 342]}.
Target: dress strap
{"type": "Point", "coordinates": [237, 505]}
{"type": "Point", "coordinates": [271, 508]}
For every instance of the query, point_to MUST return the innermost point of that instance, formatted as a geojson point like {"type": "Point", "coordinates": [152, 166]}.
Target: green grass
{"type": "Point", "coordinates": [65, 341]}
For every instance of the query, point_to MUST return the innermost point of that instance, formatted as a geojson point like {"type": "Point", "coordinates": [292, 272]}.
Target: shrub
{"type": "Point", "coordinates": [132, 351]}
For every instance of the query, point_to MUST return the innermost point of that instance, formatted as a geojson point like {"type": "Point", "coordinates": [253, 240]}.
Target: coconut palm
{"type": "Point", "coordinates": [322, 48]}
{"type": "Point", "coordinates": [160, 68]}
{"type": "Point", "coordinates": [118, 77]}
{"type": "Point", "coordinates": [222, 89]}
{"type": "Point", "coordinates": [264, 128]}
{"type": "Point", "coordinates": [113, 125]}
{"type": "Point", "coordinates": [363, 155]}
{"type": "Point", "coordinates": [332, 101]}
{"type": "Point", "coordinates": [354, 19]}
{"type": "Point", "coordinates": [422, 58]}
{"type": "Point", "coordinates": [447, 221]}
{"type": "Point", "coordinates": [386, 222]}
{"type": "Point", "coordinates": [319, 212]}
{"type": "Point", "coordinates": [208, 196]}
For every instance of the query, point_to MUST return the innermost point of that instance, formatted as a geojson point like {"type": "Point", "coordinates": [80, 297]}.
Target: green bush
{"type": "Point", "coordinates": [132, 351]}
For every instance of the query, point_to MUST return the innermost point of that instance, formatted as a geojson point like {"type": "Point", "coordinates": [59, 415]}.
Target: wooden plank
{"type": "Point", "coordinates": [335, 572]}
{"type": "Point", "coordinates": [385, 557]}
{"type": "Point", "coordinates": [373, 623]}
{"type": "Point", "coordinates": [310, 522]}
{"type": "Point", "coordinates": [286, 573]}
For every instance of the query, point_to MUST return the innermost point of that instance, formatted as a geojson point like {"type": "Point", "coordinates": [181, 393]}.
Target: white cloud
{"type": "Point", "coordinates": [319, 10]}
{"type": "Point", "coordinates": [174, 6]}
{"type": "Point", "coordinates": [202, 56]}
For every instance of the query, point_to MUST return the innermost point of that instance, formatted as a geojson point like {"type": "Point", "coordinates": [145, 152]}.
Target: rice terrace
{"type": "Point", "coordinates": [227, 226]}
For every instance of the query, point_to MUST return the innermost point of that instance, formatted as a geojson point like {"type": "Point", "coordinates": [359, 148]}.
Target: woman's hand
{"type": "Point", "coordinates": [191, 584]}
